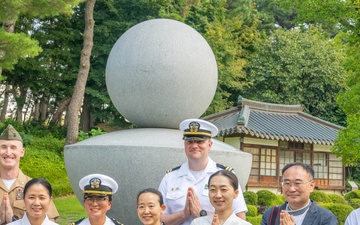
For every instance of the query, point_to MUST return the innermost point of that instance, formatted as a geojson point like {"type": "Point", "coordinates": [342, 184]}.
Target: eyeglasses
{"type": "Point", "coordinates": [297, 184]}
{"type": "Point", "coordinates": [97, 200]}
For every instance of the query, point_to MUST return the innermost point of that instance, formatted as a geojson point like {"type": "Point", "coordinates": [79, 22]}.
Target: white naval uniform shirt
{"type": "Point", "coordinates": [174, 186]}
{"type": "Point", "coordinates": [232, 220]}
{"type": "Point", "coordinates": [25, 221]}
{"type": "Point", "coordinates": [86, 221]}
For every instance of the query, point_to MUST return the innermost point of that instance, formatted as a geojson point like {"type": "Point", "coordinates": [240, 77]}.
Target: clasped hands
{"type": "Point", "coordinates": [192, 205]}
{"type": "Point", "coordinates": [6, 212]}
{"type": "Point", "coordinates": [286, 218]}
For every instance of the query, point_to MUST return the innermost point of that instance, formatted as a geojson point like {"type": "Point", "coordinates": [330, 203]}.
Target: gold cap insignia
{"type": "Point", "coordinates": [194, 126]}
{"type": "Point", "coordinates": [95, 182]}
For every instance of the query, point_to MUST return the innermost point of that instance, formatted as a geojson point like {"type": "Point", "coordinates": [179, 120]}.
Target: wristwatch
{"type": "Point", "coordinates": [203, 213]}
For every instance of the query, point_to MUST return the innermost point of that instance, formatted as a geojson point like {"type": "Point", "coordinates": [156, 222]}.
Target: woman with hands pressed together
{"type": "Point", "coordinates": [223, 189]}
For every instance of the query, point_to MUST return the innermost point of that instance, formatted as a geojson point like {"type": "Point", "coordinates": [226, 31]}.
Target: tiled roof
{"type": "Point", "coordinates": [274, 122]}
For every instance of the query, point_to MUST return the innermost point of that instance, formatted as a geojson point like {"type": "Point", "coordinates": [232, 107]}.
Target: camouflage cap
{"type": "Point", "coordinates": [10, 134]}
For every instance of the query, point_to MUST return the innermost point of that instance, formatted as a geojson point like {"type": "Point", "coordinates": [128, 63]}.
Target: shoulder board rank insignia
{"type": "Point", "coordinates": [116, 222]}
{"type": "Point", "coordinates": [77, 222]}
{"type": "Point", "coordinates": [224, 167]}
{"type": "Point", "coordinates": [176, 168]}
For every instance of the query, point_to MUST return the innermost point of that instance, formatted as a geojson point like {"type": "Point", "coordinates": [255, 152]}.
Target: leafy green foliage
{"type": "Point", "coordinates": [44, 158]}
{"type": "Point", "coordinates": [347, 143]}
{"type": "Point", "coordinates": [335, 198]}
{"type": "Point", "coordinates": [266, 198]}
{"type": "Point", "coordinates": [19, 45]}
{"type": "Point", "coordinates": [273, 15]}
{"type": "Point", "coordinates": [355, 203]}
{"type": "Point", "coordinates": [352, 194]}
{"type": "Point", "coordinates": [254, 220]}
{"type": "Point", "coordinates": [319, 196]}
{"type": "Point", "coordinates": [94, 132]}
{"type": "Point", "coordinates": [15, 46]}
{"type": "Point", "coordinates": [252, 210]}
{"type": "Point", "coordinates": [299, 67]}
{"type": "Point", "coordinates": [341, 211]}
{"type": "Point", "coordinates": [339, 16]}
{"type": "Point", "coordinates": [250, 197]}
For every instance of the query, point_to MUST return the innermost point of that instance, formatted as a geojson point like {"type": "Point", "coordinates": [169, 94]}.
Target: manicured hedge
{"type": "Point", "coordinates": [352, 194]}
{"type": "Point", "coordinates": [252, 210]}
{"type": "Point", "coordinates": [341, 211]}
{"type": "Point", "coordinates": [355, 203]}
{"type": "Point", "coordinates": [251, 198]}
{"type": "Point", "coordinates": [320, 197]}
{"type": "Point", "coordinates": [335, 198]}
{"type": "Point", "coordinates": [254, 220]}
{"type": "Point", "coordinates": [266, 198]}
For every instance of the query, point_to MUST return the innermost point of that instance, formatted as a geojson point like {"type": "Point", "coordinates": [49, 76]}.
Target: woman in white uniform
{"type": "Point", "coordinates": [223, 189]}
{"type": "Point", "coordinates": [37, 197]}
{"type": "Point", "coordinates": [98, 190]}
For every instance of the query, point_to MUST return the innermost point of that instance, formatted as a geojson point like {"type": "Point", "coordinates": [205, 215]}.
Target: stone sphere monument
{"type": "Point", "coordinates": [161, 72]}
{"type": "Point", "coordinates": [158, 73]}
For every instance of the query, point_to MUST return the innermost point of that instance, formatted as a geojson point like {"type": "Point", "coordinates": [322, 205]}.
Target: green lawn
{"type": "Point", "coordinates": [70, 209]}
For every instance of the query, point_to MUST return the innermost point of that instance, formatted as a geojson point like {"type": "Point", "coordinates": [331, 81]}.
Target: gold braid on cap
{"type": "Point", "coordinates": [200, 133]}
{"type": "Point", "coordinates": [97, 192]}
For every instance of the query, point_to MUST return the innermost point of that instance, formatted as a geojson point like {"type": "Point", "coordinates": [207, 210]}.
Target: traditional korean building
{"type": "Point", "coordinates": [277, 134]}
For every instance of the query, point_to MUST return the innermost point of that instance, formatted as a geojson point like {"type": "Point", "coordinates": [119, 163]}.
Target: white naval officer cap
{"type": "Point", "coordinates": [98, 184]}
{"type": "Point", "coordinates": [197, 129]}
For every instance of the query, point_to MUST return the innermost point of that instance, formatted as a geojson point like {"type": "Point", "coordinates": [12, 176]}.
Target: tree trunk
{"type": "Point", "coordinates": [27, 108]}
{"type": "Point", "coordinates": [36, 109]}
{"type": "Point", "coordinates": [79, 89]}
{"type": "Point", "coordinates": [43, 110]}
{"type": "Point", "coordinates": [57, 115]}
{"type": "Point", "coordinates": [6, 104]}
{"type": "Point", "coordinates": [85, 115]}
{"type": "Point", "coordinates": [20, 102]}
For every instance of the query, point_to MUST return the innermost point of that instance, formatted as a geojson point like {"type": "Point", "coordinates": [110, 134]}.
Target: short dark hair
{"type": "Point", "coordinates": [306, 167]}
{"type": "Point", "coordinates": [230, 175]}
{"type": "Point", "coordinates": [151, 190]}
{"type": "Point", "coordinates": [41, 181]}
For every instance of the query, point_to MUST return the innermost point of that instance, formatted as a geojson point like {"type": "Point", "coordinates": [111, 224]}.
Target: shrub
{"type": "Point", "coordinates": [49, 165]}
{"type": "Point", "coordinates": [252, 210]}
{"type": "Point", "coordinates": [266, 198]}
{"type": "Point", "coordinates": [48, 143]}
{"type": "Point", "coordinates": [341, 211]}
{"type": "Point", "coordinates": [94, 132]}
{"type": "Point", "coordinates": [254, 220]}
{"type": "Point", "coordinates": [250, 197]}
{"type": "Point", "coordinates": [352, 194]}
{"type": "Point", "coordinates": [280, 199]}
{"type": "Point", "coordinates": [319, 196]}
{"type": "Point", "coordinates": [355, 203]}
{"type": "Point", "coordinates": [335, 198]}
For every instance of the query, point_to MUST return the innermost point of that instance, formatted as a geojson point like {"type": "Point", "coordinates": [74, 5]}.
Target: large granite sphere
{"type": "Point", "coordinates": [161, 72]}
{"type": "Point", "coordinates": [138, 159]}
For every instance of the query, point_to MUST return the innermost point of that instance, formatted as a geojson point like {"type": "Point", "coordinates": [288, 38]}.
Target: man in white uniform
{"type": "Point", "coordinates": [184, 188]}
